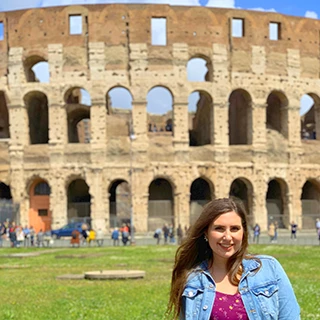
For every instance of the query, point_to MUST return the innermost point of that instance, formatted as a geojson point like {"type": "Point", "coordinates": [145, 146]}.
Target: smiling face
{"type": "Point", "coordinates": [225, 235]}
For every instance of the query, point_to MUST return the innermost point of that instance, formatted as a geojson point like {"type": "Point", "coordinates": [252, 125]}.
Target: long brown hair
{"type": "Point", "coordinates": [195, 250]}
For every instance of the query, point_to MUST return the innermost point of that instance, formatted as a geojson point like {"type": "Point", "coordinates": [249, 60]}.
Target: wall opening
{"type": "Point", "coordinates": [119, 112]}
{"type": "Point", "coordinates": [1, 31]}
{"type": "Point", "coordinates": [310, 203]}
{"type": "Point", "coordinates": [237, 27]}
{"type": "Point", "coordinates": [310, 116]}
{"type": "Point", "coordinates": [36, 69]}
{"type": "Point", "coordinates": [119, 203]}
{"type": "Point", "coordinates": [159, 31]}
{"type": "Point", "coordinates": [274, 31]}
{"type": "Point", "coordinates": [200, 113]}
{"type": "Point", "coordinates": [240, 118]}
{"type": "Point", "coordinates": [277, 113]}
{"type": "Point", "coordinates": [276, 200]}
{"type": "Point", "coordinates": [4, 117]}
{"type": "Point", "coordinates": [160, 204]}
{"type": "Point", "coordinates": [79, 202]}
{"type": "Point", "coordinates": [38, 115]}
{"type": "Point", "coordinates": [78, 104]}
{"type": "Point", "coordinates": [159, 109]}
{"type": "Point", "coordinates": [200, 195]}
{"type": "Point", "coordinates": [75, 24]}
{"type": "Point", "coordinates": [199, 69]}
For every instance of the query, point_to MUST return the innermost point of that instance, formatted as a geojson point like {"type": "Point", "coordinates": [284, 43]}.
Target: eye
{"type": "Point", "coordinates": [235, 229]}
{"type": "Point", "coordinates": [219, 228]}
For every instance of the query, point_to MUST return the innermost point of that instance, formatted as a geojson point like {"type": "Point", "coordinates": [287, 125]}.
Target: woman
{"type": "Point", "coordinates": [215, 278]}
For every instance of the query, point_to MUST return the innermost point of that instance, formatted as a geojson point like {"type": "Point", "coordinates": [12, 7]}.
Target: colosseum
{"type": "Point", "coordinates": [63, 158]}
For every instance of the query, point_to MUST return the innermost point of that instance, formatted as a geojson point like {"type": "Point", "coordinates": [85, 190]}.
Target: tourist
{"type": "Point", "coordinates": [215, 278]}
{"type": "Point", "coordinates": [157, 235]}
{"type": "Point", "coordinates": [100, 237]}
{"type": "Point", "coordinates": [271, 231]}
{"type": "Point", "coordinates": [91, 236]}
{"type": "Point", "coordinates": [256, 233]}
{"type": "Point", "coordinates": [26, 232]}
{"type": "Point", "coordinates": [179, 234]}
{"type": "Point", "coordinates": [294, 228]}
{"type": "Point", "coordinates": [2, 233]}
{"type": "Point", "coordinates": [165, 230]}
{"type": "Point", "coordinates": [40, 238]}
{"type": "Point", "coordinates": [32, 235]}
{"type": "Point", "coordinates": [115, 236]}
{"type": "Point", "coordinates": [12, 234]}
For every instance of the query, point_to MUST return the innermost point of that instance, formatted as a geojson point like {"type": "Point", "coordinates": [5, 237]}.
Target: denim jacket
{"type": "Point", "coordinates": [266, 294]}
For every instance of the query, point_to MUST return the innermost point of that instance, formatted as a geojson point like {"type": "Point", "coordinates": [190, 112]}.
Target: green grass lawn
{"type": "Point", "coordinates": [30, 290]}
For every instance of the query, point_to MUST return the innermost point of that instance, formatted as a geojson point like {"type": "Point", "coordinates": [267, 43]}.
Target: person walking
{"type": "Point", "coordinates": [157, 235]}
{"type": "Point", "coordinates": [271, 231]}
{"type": "Point", "coordinates": [115, 236]}
{"type": "Point", "coordinates": [100, 237]}
{"type": "Point", "coordinates": [256, 233]}
{"type": "Point", "coordinates": [214, 277]}
{"type": "Point", "coordinates": [294, 228]}
{"type": "Point", "coordinates": [165, 230]}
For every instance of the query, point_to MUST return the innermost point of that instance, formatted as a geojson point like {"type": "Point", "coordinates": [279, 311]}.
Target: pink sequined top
{"type": "Point", "coordinates": [228, 307]}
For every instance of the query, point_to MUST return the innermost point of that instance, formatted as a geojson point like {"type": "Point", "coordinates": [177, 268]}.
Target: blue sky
{"type": "Point", "coordinates": [305, 8]}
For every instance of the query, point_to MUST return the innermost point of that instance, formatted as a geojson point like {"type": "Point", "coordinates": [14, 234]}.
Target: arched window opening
{"type": "Point", "coordinates": [160, 204]}
{"type": "Point", "coordinates": [240, 118]}
{"type": "Point", "coordinates": [38, 115]}
{"type": "Point", "coordinates": [276, 201]}
{"type": "Point", "coordinates": [119, 203]}
{"type": "Point", "coordinates": [119, 112]}
{"type": "Point", "coordinates": [200, 195]}
{"type": "Point", "coordinates": [310, 116]}
{"type": "Point", "coordinates": [310, 203]}
{"type": "Point", "coordinates": [200, 112]}
{"type": "Point", "coordinates": [159, 108]}
{"type": "Point", "coordinates": [242, 190]}
{"type": "Point", "coordinates": [277, 113]}
{"type": "Point", "coordinates": [42, 189]}
{"type": "Point", "coordinates": [79, 200]}
{"type": "Point", "coordinates": [4, 117]}
{"type": "Point", "coordinates": [36, 69]}
{"type": "Point", "coordinates": [199, 69]}
{"type": "Point", "coordinates": [78, 106]}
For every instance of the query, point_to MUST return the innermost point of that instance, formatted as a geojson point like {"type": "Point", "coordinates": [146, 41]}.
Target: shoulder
{"type": "Point", "coordinates": [261, 262]}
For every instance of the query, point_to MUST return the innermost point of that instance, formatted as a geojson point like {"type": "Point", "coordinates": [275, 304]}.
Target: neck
{"type": "Point", "coordinates": [219, 264]}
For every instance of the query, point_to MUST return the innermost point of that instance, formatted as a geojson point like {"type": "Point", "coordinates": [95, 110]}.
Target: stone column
{"type": "Point", "coordinates": [99, 212]}
{"type": "Point", "coordinates": [98, 140]}
{"type": "Point", "coordinates": [139, 142]}
{"type": "Point", "coordinates": [260, 187]}
{"type": "Point", "coordinates": [259, 132]}
{"type": "Point", "coordinates": [182, 209]}
{"type": "Point", "coordinates": [221, 131]}
{"type": "Point", "coordinates": [16, 75]}
{"type": "Point", "coordinates": [294, 137]}
{"type": "Point", "coordinates": [55, 60]}
{"type": "Point", "coordinates": [58, 199]}
{"type": "Point", "coordinates": [181, 131]}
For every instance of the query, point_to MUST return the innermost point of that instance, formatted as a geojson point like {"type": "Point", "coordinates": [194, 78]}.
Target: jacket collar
{"type": "Point", "coordinates": [248, 265]}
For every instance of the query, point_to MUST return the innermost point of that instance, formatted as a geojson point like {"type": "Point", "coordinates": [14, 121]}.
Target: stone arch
{"type": "Point", "coordinates": [240, 117]}
{"type": "Point", "coordinates": [201, 192]}
{"type": "Point", "coordinates": [36, 103]}
{"type": "Point", "coordinates": [119, 111]}
{"type": "Point", "coordinates": [242, 189]}
{"type": "Point", "coordinates": [199, 68]}
{"type": "Point", "coordinates": [79, 201]}
{"type": "Point", "coordinates": [310, 119]}
{"type": "Point", "coordinates": [78, 103]}
{"type": "Point", "coordinates": [160, 203]}
{"type": "Point", "coordinates": [277, 112]}
{"type": "Point", "coordinates": [160, 104]}
{"type": "Point", "coordinates": [4, 117]}
{"type": "Point", "coordinates": [40, 216]}
{"type": "Point", "coordinates": [200, 119]}
{"type": "Point", "coordinates": [277, 202]}
{"type": "Point", "coordinates": [119, 203]}
{"type": "Point", "coordinates": [310, 203]}
{"type": "Point", "coordinates": [29, 65]}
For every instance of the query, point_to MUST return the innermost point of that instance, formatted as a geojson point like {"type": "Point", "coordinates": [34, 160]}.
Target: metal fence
{"type": "Point", "coordinates": [9, 211]}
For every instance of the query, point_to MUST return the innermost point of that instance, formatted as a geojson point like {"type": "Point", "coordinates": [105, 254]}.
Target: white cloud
{"type": "Point", "coordinates": [311, 14]}
{"type": "Point", "coordinates": [262, 9]}
{"type": "Point", "coordinates": [221, 3]}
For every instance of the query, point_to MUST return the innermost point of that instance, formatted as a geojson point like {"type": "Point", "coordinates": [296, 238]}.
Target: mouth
{"type": "Point", "coordinates": [226, 246]}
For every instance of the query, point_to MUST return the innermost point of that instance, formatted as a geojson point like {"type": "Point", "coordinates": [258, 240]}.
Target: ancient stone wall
{"type": "Point", "coordinates": [254, 86]}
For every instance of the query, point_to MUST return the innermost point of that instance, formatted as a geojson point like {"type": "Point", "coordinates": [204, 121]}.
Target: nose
{"type": "Point", "coordinates": [227, 235]}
